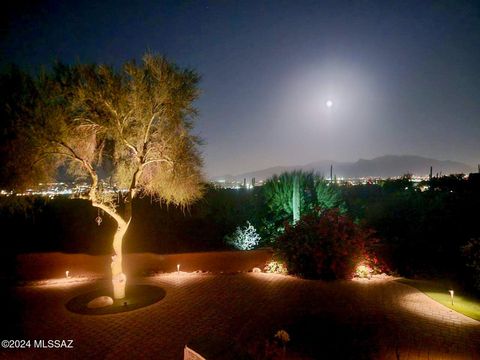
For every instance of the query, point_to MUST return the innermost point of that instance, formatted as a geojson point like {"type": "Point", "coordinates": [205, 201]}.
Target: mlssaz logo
{"type": "Point", "coordinates": [53, 344]}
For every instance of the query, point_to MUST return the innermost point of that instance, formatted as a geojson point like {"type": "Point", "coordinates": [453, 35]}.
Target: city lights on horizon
{"type": "Point", "coordinates": [52, 190]}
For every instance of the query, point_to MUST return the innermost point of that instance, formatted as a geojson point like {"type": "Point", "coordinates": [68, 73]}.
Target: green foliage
{"type": "Point", "coordinates": [422, 228]}
{"type": "Point", "coordinates": [12, 205]}
{"type": "Point", "coordinates": [18, 96]}
{"type": "Point", "coordinates": [62, 224]}
{"type": "Point", "coordinates": [328, 246]}
{"type": "Point", "coordinates": [292, 194]}
{"type": "Point", "coordinates": [328, 196]}
{"type": "Point", "coordinates": [279, 193]}
{"type": "Point", "coordinates": [471, 252]}
{"type": "Point", "coordinates": [396, 185]}
{"type": "Point", "coordinates": [226, 209]}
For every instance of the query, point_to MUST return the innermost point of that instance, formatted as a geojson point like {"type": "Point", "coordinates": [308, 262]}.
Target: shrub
{"type": "Point", "coordinates": [244, 238]}
{"type": "Point", "coordinates": [326, 246]}
{"type": "Point", "coordinates": [363, 271]}
{"type": "Point", "coordinates": [276, 267]}
{"type": "Point", "coordinates": [370, 265]}
{"type": "Point", "coordinates": [471, 251]}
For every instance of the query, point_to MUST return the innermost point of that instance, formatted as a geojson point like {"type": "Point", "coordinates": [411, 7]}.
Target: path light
{"type": "Point", "coordinates": [67, 274]}
{"type": "Point", "coordinates": [451, 295]}
{"type": "Point", "coordinates": [178, 269]}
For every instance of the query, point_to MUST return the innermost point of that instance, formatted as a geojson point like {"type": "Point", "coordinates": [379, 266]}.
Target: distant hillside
{"type": "Point", "coordinates": [383, 166]}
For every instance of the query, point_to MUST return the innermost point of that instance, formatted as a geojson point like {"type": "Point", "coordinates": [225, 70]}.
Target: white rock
{"type": "Point", "coordinates": [99, 302]}
{"type": "Point", "coordinates": [256, 270]}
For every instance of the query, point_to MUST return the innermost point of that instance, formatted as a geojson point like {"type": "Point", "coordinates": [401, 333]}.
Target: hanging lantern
{"type": "Point", "coordinates": [98, 219]}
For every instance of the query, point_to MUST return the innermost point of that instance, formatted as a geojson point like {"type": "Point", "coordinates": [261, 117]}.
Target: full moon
{"type": "Point", "coordinates": [329, 103]}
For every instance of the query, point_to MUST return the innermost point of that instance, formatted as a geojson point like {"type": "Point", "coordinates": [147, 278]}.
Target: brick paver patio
{"type": "Point", "coordinates": [244, 308]}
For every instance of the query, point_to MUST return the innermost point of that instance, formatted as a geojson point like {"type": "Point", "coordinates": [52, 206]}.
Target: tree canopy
{"type": "Point", "coordinates": [130, 127]}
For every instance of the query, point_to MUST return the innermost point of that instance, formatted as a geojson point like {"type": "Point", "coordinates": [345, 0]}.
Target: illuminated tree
{"type": "Point", "coordinates": [130, 128]}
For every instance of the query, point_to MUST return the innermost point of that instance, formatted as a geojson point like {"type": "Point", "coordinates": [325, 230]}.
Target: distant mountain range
{"type": "Point", "coordinates": [383, 166]}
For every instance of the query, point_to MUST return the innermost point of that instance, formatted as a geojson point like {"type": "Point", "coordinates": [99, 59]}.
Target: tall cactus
{"type": "Point", "coordinates": [296, 198]}
{"type": "Point", "coordinates": [291, 194]}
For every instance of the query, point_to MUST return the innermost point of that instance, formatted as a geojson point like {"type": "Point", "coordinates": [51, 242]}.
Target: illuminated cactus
{"type": "Point", "coordinates": [296, 198]}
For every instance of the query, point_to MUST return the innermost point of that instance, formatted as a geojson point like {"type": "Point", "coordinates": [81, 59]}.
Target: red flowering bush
{"type": "Point", "coordinates": [326, 246]}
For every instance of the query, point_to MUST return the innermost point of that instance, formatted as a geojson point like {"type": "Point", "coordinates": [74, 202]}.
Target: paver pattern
{"type": "Point", "coordinates": [241, 308]}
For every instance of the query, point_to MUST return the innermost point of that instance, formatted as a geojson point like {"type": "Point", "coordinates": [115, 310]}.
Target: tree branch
{"type": "Point", "coordinates": [132, 147]}
{"type": "Point", "coordinates": [93, 175]}
{"type": "Point", "coordinates": [120, 127]}
{"type": "Point", "coordinates": [44, 156]}
{"type": "Point", "coordinates": [64, 145]}
{"type": "Point", "coordinates": [167, 160]}
{"type": "Point", "coordinates": [125, 141]}
{"type": "Point", "coordinates": [111, 108]}
{"type": "Point", "coordinates": [147, 131]}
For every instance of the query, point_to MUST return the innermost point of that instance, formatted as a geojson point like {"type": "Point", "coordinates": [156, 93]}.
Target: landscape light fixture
{"type": "Point", "coordinates": [451, 295]}
{"type": "Point", "coordinates": [178, 269]}
{"type": "Point", "coordinates": [67, 274]}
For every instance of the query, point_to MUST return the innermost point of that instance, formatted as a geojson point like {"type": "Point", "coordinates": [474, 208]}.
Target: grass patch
{"type": "Point", "coordinates": [438, 291]}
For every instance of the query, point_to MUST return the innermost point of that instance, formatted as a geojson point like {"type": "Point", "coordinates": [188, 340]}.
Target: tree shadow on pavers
{"type": "Point", "coordinates": [325, 336]}
{"type": "Point", "coordinates": [136, 297]}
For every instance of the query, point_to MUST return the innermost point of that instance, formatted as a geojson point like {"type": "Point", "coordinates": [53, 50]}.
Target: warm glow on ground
{"type": "Point", "coordinates": [270, 277]}
{"type": "Point", "coordinates": [179, 278]}
{"type": "Point", "coordinates": [374, 279]}
{"type": "Point", "coordinates": [62, 282]}
{"type": "Point", "coordinates": [425, 307]}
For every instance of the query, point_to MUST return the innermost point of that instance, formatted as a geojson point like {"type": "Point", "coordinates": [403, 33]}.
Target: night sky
{"type": "Point", "coordinates": [403, 76]}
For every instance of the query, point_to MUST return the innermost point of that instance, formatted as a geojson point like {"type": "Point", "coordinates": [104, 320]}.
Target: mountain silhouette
{"type": "Point", "coordinates": [383, 166]}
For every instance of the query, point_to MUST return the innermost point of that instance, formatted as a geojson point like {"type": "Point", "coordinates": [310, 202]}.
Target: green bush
{"type": "Point", "coordinates": [471, 251]}
{"type": "Point", "coordinates": [325, 246]}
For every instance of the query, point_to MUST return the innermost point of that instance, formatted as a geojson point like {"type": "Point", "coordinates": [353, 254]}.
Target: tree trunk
{"type": "Point", "coordinates": [119, 279]}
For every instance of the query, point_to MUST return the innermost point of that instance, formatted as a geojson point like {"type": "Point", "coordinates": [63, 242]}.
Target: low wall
{"type": "Point", "coordinates": [37, 266]}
